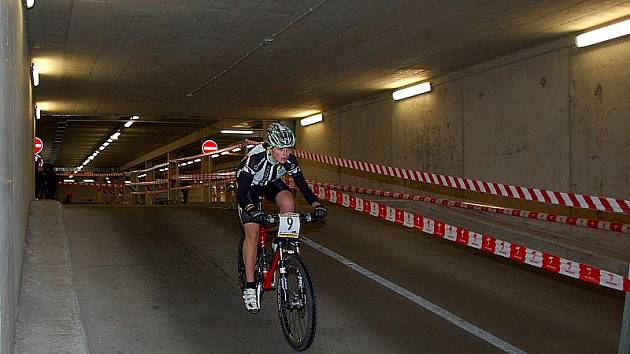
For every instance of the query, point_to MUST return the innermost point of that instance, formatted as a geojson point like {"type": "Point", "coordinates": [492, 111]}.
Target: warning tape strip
{"type": "Point", "coordinates": [98, 185]}
{"type": "Point", "coordinates": [560, 219]}
{"type": "Point", "coordinates": [490, 244]}
{"type": "Point", "coordinates": [505, 190]}
{"type": "Point", "coordinates": [93, 174]}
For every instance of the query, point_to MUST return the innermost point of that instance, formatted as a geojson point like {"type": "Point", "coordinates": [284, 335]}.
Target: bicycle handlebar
{"type": "Point", "coordinates": [274, 219]}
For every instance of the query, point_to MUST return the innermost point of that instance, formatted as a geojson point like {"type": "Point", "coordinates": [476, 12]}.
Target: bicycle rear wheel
{"type": "Point", "coordinates": [297, 308]}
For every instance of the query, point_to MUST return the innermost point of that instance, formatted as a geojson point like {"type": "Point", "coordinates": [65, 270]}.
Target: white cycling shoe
{"type": "Point", "coordinates": [251, 300]}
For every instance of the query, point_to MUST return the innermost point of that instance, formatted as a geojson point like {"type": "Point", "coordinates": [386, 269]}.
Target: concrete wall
{"type": "Point", "coordinates": [16, 166]}
{"type": "Point", "coordinates": [553, 117]}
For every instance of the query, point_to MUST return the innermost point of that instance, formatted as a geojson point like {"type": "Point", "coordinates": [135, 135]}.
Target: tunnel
{"type": "Point", "coordinates": [211, 176]}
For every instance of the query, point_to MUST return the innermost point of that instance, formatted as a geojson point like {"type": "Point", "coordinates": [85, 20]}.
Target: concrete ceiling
{"type": "Point", "coordinates": [105, 60]}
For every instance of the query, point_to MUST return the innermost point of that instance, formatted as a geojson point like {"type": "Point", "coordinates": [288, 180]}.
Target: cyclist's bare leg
{"type": "Point", "coordinates": [250, 246]}
{"type": "Point", "coordinates": [285, 201]}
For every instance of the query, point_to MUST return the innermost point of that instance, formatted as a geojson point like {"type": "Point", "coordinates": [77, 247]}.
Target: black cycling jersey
{"type": "Point", "coordinates": [258, 169]}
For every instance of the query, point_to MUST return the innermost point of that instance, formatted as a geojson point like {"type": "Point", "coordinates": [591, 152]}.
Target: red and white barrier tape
{"type": "Point", "coordinates": [207, 176]}
{"type": "Point", "coordinates": [560, 219]}
{"type": "Point", "coordinates": [505, 190]}
{"type": "Point", "coordinates": [93, 174]}
{"type": "Point", "coordinates": [88, 184]}
{"type": "Point", "coordinates": [151, 192]}
{"type": "Point", "coordinates": [487, 243]}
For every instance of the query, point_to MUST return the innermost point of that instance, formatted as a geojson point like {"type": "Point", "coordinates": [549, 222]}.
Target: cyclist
{"type": "Point", "coordinates": [260, 174]}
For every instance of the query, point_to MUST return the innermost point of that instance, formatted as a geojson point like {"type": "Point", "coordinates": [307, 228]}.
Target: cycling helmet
{"type": "Point", "coordinates": [280, 136]}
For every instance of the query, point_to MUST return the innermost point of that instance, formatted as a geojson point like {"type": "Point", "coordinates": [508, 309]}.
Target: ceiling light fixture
{"type": "Point", "coordinates": [35, 72]}
{"type": "Point", "coordinates": [214, 156]}
{"type": "Point", "coordinates": [115, 136]}
{"type": "Point", "coordinates": [38, 112]}
{"type": "Point", "coordinates": [242, 132]}
{"type": "Point", "coordinates": [311, 120]}
{"type": "Point", "coordinates": [603, 34]}
{"type": "Point", "coordinates": [236, 149]}
{"type": "Point", "coordinates": [197, 160]}
{"type": "Point", "coordinates": [128, 124]}
{"type": "Point", "coordinates": [412, 91]}
{"type": "Point", "coordinates": [30, 3]}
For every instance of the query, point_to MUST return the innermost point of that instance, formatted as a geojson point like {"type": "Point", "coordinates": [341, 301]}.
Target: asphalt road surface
{"type": "Point", "coordinates": [163, 280]}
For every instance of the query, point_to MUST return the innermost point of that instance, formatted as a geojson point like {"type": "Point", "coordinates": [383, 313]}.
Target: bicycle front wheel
{"type": "Point", "coordinates": [297, 308]}
{"type": "Point", "coordinates": [242, 280]}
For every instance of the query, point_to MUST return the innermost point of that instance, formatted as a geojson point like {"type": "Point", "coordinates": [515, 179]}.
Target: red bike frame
{"type": "Point", "coordinates": [269, 272]}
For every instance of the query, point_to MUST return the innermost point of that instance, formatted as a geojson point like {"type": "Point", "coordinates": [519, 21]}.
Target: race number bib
{"type": "Point", "coordinates": [289, 225]}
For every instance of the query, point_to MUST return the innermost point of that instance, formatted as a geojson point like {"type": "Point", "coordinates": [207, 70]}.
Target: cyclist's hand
{"type": "Point", "coordinates": [258, 216]}
{"type": "Point", "coordinates": [320, 211]}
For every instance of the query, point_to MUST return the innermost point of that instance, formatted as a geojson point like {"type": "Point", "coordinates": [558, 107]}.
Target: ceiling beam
{"type": "Point", "coordinates": [188, 139]}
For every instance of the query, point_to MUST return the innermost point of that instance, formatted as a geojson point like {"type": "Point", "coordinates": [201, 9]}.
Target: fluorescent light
{"type": "Point", "coordinates": [603, 34]}
{"type": "Point", "coordinates": [110, 140]}
{"type": "Point", "coordinates": [90, 158]}
{"type": "Point", "coordinates": [224, 153]}
{"type": "Point", "coordinates": [115, 136]}
{"type": "Point", "coordinates": [71, 176]}
{"type": "Point", "coordinates": [30, 3]}
{"type": "Point", "coordinates": [249, 146]}
{"type": "Point", "coordinates": [236, 149]}
{"type": "Point", "coordinates": [68, 181]}
{"type": "Point", "coordinates": [142, 175]}
{"type": "Point", "coordinates": [243, 132]}
{"type": "Point", "coordinates": [412, 91]}
{"type": "Point", "coordinates": [88, 180]}
{"type": "Point", "coordinates": [135, 118]}
{"type": "Point", "coordinates": [109, 182]}
{"type": "Point", "coordinates": [38, 112]}
{"type": "Point", "coordinates": [35, 70]}
{"type": "Point", "coordinates": [197, 160]}
{"type": "Point", "coordinates": [127, 182]}
{"type": "Point", "coordinates": [214, 156]}
{"type": "Point", "coordinates": [128, 124]}
{"type": "Point", "coordinates": [106, 144]}
{"type": "Point", "coordinates": [311, 120]}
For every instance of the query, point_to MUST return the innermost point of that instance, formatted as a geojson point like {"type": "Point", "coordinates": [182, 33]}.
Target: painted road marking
{"type": "Point", "coordinates": [435, 309]}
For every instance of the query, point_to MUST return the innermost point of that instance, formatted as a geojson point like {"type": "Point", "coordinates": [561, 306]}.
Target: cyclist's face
{"type": "Point", "coordinates": [281, 155]}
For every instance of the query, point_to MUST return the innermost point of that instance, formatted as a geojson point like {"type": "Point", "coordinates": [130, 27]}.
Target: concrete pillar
{"type": "Point", "coordinates": [173, 175]}
{"type": "Point", "coordinates": [148, 197]}
{"type": "Point", "coordinates": [100, 191]}
{"type": "Point", "coordinates": [136, 198]}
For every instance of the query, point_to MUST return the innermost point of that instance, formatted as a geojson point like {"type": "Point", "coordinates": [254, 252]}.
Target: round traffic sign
{"type": "Point", "coordinates": [39, 146]}
{"type": "Point", "coordinates": [209, 146]}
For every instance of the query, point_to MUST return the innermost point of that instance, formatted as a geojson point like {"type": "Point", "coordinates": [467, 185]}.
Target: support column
{"type": "Point", "coordinates": [206, 167]}
{"type": "Point", "coordinates": [100, 190]}
{"type": "Point", "coordinates": [173, 175]}
{"type": "Point", "coordinates": [136, 198]}
{"type": "Point", "coordinates": [148, 197]}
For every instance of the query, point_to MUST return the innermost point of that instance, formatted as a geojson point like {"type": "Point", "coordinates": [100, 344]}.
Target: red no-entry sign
{"type": "Point", "coordinates": [39, 146]}
{"type": "Point", "coordinates": [209, 146]}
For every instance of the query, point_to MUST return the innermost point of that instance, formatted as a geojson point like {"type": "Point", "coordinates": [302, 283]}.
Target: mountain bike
{"type": "Point", "coordinates": [282, 269]}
